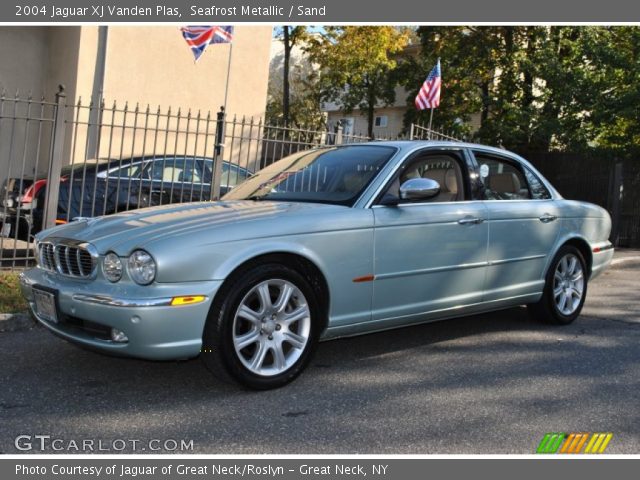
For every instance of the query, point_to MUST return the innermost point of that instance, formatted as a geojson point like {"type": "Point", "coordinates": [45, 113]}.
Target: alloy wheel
{"type": "Point", "coordinates": [568, 284]}
{"type": "Point", "coordinates": [271, 327]}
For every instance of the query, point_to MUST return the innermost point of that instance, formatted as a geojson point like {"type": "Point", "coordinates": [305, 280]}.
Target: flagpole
{"type": "Point", "coordinates": [226, 87]}
{"type": "Point", "coordinates": [431, 114]}
{"type": "Point", "coordinates": [220, 135]}
{"type": "Point", "coordinates": [430, 122]}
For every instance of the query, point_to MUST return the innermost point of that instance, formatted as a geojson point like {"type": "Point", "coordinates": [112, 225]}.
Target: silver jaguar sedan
{"type": "Point", "coordinates": [326, 243]}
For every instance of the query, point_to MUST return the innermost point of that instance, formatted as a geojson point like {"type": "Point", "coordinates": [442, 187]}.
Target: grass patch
{"type": "Point", "coordinates": [11, 300]}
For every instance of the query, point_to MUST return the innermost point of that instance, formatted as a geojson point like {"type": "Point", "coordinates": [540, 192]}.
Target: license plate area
{"type": "Point", "coordinates": [45, 303]}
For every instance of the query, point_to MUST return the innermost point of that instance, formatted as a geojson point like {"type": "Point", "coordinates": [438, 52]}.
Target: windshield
{"type": "Point", "coordinates": [335, 175]}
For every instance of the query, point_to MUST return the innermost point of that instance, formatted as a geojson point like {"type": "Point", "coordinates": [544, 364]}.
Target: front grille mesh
{"type": "Point", "coordinates": [67, 259]}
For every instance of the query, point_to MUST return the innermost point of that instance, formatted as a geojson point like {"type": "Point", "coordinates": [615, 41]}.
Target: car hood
{"type": "Point", "coordinates": [120, 231]}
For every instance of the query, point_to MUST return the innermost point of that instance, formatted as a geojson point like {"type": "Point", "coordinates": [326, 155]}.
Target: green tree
{"type": "Point", "coordinates": [356, 66]}
{"type": "Point", "coordinates": [534, 87]}
{"type": "Point", "coordinates": [468, 60]}
{"type": "Point", "coordinates": [293, 97]}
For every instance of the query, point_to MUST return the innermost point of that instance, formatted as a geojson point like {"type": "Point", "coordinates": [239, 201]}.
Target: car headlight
{"type": "Point", "coordinates": [142, 267]}
{"type": "Point", "coordinates": [112, 267]}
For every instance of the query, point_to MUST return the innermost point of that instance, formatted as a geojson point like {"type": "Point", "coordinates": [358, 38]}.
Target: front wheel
{"type": "Point", "coordinates": [565, 288]}
{"type": "Point", "coordinates": [263, 329]}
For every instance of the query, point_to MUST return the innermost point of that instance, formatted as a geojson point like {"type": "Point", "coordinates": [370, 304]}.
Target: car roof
{"type": "Point", "coordinates": [411, 144]}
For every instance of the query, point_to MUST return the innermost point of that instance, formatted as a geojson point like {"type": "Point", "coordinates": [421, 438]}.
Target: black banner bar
{"type": "Point", "coordinates": [319, 12]}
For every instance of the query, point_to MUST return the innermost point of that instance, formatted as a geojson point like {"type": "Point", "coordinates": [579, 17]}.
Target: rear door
{"type": "Point", "coordinates": [523, 226]}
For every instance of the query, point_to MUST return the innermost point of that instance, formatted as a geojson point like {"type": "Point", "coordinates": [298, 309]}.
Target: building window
{"type": "Point", "coordinates": [381, 121]}
{"type": "Point", "coordinates": [347, 125]}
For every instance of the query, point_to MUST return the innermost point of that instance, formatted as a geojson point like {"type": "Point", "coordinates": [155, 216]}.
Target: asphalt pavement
{"type": "Point", "coordinates": [493, 383]}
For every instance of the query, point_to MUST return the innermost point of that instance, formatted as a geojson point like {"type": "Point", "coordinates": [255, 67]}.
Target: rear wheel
{"type": "Point", "coordinates": [565, 288]}
{"type": "Point", "coordinates": [263, 329]}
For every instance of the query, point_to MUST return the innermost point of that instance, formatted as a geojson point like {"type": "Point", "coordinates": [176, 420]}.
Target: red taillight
{"type": "Point", "coordinates": [32, 191]}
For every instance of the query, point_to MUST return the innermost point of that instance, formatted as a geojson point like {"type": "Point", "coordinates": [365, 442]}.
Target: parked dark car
{"type": "Point", "coordinates": [103, 187]}
{"type": "Point", "coordinates": [12, 190]}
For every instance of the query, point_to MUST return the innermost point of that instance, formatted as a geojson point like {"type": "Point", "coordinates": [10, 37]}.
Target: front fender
{"type": "Point", "coordinates": [339, 256]}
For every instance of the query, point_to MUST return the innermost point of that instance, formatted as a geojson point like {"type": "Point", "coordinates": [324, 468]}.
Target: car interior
{"type": "Point", "coordinates": [444, 168]}
{"type": "Point", "coordinates": [501, 179]}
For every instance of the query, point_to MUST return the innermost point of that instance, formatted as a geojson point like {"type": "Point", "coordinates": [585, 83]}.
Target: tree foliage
{"type": "Point", "coordinates": [356, 66]}
{"type": "Point", "coordinates": [293, 96]}
{"type": "Point", "coordinates": [533, 87]}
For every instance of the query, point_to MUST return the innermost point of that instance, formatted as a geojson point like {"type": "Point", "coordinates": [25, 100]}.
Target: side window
{"type": "Point", "coordinates": [538, 190]}
{"type": "Point", "coordinates": [175, 170]}
{"type": "Point", "coordinates": [129, 171]}
{"type": "Point", "coordinates": [232, 175]}
{"type": "Point", "coordinates": [502, 180]}
{"type": "Point", "coordinates": [443, 167]}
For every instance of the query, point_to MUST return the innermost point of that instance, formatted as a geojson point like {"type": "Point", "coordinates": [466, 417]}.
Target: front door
{"type": "Point", "coordinates": [430, 256]}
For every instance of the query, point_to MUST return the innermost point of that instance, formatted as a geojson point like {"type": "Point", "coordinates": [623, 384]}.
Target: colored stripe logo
{"type": "Point", "coordinates": [574, 443]}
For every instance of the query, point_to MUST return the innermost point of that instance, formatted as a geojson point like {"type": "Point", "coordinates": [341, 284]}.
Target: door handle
{"type": "Point", "coordinates": [546, 218]}
{"type": "Point", "coordinates": [470, 221]}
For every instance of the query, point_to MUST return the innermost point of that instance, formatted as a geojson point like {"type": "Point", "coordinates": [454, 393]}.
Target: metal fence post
{"type": "Point", "coordinates": [55, 161]}
{"type": "Point", "coordinates": [339, 135]}
{"type": "Point", "coordinates": [616, 199]}
{"type": "Point", "coordinates": [411, 132]}
{"type": "Point", "coordinates": [218, 154]}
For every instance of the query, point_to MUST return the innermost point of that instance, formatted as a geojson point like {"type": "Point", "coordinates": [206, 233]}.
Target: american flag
{"type": "Point", "coordinates": [199, 37]}
{"type": "Point", "coordinates": [429, 94]}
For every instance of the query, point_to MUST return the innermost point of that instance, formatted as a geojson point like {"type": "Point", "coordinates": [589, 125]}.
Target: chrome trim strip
{"type": "Point", "coordinates": [409, 273]}
{"type": "Point", "coordinates": [122, 302]}
{"type": "Point", "coordinates": [462, 266]}
{"type": "Point", "coordinates": [518, 259]}
{"type": "Point", "coordinates": [450, 145]}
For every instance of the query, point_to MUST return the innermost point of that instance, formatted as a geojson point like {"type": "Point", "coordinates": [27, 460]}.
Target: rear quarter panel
{"type": "Point", "coordinates": [587, 222]}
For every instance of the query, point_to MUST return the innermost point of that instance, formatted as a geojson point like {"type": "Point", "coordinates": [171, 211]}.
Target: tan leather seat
{"type": "Point", "coordinates": [448, 184]}
{"type": "Point", "coordinates": [504, 183]}
{"type": "Point", "coordinates": [353, 182]}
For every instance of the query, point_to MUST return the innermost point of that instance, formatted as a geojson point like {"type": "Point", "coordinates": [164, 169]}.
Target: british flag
{"type": "Point", "coordinates": [198, 37]}
{"type": "Point", "coordinates": [429, 94]}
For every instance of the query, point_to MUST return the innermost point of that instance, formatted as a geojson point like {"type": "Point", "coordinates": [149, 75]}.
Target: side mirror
{"type": "Point", "coordinates": [419, 189]}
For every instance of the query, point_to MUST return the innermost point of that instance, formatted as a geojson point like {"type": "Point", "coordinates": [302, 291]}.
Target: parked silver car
{"type": "Point", "coordinates": [325, 243]}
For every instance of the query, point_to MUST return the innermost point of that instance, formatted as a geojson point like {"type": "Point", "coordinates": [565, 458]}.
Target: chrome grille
{"type": "Point", "coordinates": [68, 257]}
{"type": "Point", "coordinates": [47, 260]}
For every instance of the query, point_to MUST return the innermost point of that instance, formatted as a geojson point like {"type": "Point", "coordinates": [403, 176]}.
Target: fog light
{"type": "Point", "coordinates": [118, 336]}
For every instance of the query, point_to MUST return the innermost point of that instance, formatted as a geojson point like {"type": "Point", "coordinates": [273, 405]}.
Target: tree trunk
{"type": "Point", "coordinates": [484, 114]}
{"type": "Point", "coordinates": [285, 75]}
{"type": "Point", "coordinates": [527, 87]}
{"type": "Point", "coordinates": [371, 110]}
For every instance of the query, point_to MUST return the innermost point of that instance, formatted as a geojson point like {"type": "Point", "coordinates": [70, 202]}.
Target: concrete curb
{"type": "Point", "coordinates": [625, 261]}
{"type": "Point", "coordinates": [16, 322]}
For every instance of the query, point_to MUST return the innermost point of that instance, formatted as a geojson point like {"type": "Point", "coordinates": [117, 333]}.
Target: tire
{"type": "Point", "coordinates": [565, 288]}
{"type": "Point", "coordinates": [252, 338]}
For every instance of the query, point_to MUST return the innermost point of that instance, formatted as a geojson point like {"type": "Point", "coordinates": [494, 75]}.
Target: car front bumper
{"type": "Point", "coordinates": [88, 310]}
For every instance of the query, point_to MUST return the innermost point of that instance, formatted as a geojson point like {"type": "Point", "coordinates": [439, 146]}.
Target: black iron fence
{"type": "Point", "coordinates": [60, 160]}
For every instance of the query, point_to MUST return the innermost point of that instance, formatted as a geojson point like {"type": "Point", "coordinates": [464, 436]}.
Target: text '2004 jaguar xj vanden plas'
{"type": "Point", "coordinates": [326, 243]}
